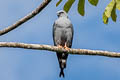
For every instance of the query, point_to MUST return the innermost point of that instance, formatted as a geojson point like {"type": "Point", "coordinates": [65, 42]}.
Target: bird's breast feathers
{"type": "Point", "coordinates": [63, 22]}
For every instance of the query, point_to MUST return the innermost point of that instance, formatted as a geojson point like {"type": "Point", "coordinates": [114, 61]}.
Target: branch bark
{"type": "Point", "coordinates": [26, 18]}
{"type": "Point", "coordinates": [56, 49]}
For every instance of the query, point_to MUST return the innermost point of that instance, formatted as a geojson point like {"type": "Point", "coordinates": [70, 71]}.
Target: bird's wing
{"type": "Point", "coordinates": [69, 35]}
{"type": "Point", "coordinates": [53, 31]}
{"type": "Point", "coordinates": [56, 34]}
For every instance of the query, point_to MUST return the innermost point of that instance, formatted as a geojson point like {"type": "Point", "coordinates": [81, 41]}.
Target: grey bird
{"type": "Point", "coordinates": [62, 37]}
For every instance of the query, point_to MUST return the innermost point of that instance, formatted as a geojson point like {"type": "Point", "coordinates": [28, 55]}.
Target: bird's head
{"type": "Point", "coordinates": [62, 13]}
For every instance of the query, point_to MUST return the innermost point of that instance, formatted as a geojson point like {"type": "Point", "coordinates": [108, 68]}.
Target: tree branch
{"type": "Point", "coordinates": [56, 49]}
{"type": "Point", "coordinates": [26, 18]}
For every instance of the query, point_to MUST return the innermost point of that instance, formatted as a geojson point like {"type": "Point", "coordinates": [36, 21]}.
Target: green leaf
{"type": "Point", "coordinates": [109, 8]}
{"type": "Point", "coordinates": [113, 14]}
{"type": "Point", "coordinates": [93, 2]}
{"type": "Point", "coordinates": [81, 5]}
{"type": "Point", "coordinates": [118, 4]}
{"type": "Point", "coordinates": [68, 5]}
{"type": "Point", "coordinates": [58, 2]}
{"type": "Point", "coordinates": [105, 19]}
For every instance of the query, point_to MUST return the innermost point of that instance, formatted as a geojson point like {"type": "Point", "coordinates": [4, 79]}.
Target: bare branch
{"type": "Point", "coordinates": [56, 49]}
{"type": "Point", "coordinates": [26, 18]}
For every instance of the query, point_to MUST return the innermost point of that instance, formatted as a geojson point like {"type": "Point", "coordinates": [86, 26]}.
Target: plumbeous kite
{"type": "Point", "coordinates": [62, 37]}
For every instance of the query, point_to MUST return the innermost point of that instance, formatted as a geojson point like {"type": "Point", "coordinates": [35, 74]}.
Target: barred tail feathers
{"type": "Point", "coordinates": [62, 66]}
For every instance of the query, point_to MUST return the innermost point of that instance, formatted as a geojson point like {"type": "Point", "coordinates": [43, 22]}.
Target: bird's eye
{"type": "Point", "coordinates": [61, 12]}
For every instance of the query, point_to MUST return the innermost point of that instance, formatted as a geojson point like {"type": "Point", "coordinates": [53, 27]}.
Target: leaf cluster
{"type": "Point", "coordinates": [110, 10]}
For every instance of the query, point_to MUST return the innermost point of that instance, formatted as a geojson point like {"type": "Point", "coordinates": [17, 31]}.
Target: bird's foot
{"type": "Point", "coordinates": [59, 46]}
{"type": "Point", "coordinates": [67, 48]}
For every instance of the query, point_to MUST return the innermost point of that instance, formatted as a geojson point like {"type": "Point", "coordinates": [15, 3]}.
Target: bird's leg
{"type": "Point", "coordinates": [67, 48]}
{"type": "Point", "coordinates": [59, 46]}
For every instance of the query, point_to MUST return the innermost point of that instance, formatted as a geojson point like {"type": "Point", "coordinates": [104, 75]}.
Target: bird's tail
{"type": "Point", "coordinates": [61, 73]}
{"type": "Point", "coordinates": [62, 66]}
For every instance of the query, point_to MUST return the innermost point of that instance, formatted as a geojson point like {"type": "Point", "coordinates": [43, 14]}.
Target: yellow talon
{"type": "Point", "coordinates": [67, 48]}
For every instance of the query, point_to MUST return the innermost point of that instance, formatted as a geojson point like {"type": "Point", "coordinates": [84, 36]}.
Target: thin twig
{"type": "Point", "coordinates": [26, 18]}
{"type": "Point", "coordinates": [56, 49]}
